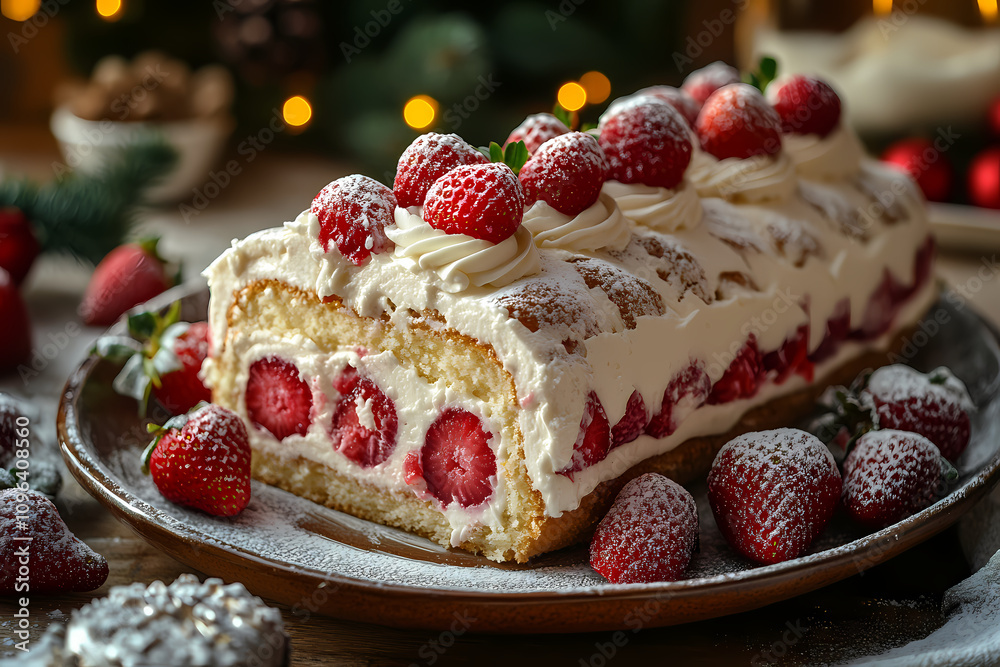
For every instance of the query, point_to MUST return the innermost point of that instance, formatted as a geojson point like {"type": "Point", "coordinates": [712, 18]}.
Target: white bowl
{"type": "Point", "coordinates": [87, 144]}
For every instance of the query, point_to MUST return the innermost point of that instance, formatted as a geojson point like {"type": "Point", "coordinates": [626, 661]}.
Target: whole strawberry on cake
{"type": "Point", "coordinates": [488, 351]}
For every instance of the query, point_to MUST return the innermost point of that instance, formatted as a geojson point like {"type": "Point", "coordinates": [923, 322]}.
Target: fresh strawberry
{"type": "Point", "coordinates": [484, 201]}
{"type": "Point", "coordinates": [594, 440]}
{"type": "Point", "coordinates": [737, 122]}
{"type": "Point", "coordinates": [686, 392]}
{"type": "Point", "coordinates": [646, 141]}
{"type": "Point", "coordinates": [413, 471]}
{"type": "Point", "coordinates": [701, 83]}
{"type": "Point", "coordinates": [890, 475]}
{"type": "Point", "coordinates": [18, 245]}
{"type": "Point", "coordinates": [202, 460]}
{"type": "Point", "coordinates": [935, 405]}
{"type": "Point", "coordinates": [791, 357]}
{"type": "Point", "coordinates": [743, 376]}
{"type": "Point", "coordinates": [881, 310]}
{"type": "Point", "coordinates": [364, 424]}
{"type": "Point", "coordinates": [15, 339]}
{"type": "Point", "coordinates": [806, 105]}
{"type": "Point", "coordinates": [36, 547]}
{"type": "Point", "coordinates": [535, 130]}
{"type": "Point", "coordinates": [838, 328]}
{"type": "Point", "coordinates": [632, 423]}
{"type": "Point", "coordinates": [347, 380]}
{"type": "Point", "coordinates": [925, 164]}
{"type": "Point", "coordinates": [353, 213]}
{"type": "Point", "coordinates": [567, 172]}
{"type": "Point", "coordinates": [278, 400]}
{"type": "Point", "coordinates": [427, 159]}
{"type": "Point", "coordinates": [131, 274]}
{"type": "Point", "coordinates": [649, 534]}
{"type": "Point", "coordinates": [182, 389]}
{"type": "Point", "coordinates": [773, 492]}
{"type": "Point", "coordinates": [458, 464]}
{"type": "Point", "coordinates": [675, 97]}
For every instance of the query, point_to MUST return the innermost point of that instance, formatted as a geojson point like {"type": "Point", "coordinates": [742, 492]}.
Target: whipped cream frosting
{"type": "Point", "coordinates": [601, 225]}
{"type": "Point", "coordinates": [754, 179]}
{"type": "Point", "coordinates": [663, 209]}
{"type": "Point", "coordinates": [459, 260]}
{"type": "Point", "coordinates": [835, 156]}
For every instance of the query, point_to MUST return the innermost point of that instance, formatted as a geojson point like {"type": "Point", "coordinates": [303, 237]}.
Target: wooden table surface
{"type": "Point", "coordinates": [889, 605]}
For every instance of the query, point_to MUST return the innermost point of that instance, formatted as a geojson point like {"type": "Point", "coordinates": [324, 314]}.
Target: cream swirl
{"type": "Point", "coordinates": [754, 179]}
{"type": "Point", "coordinates": [600, 225]}
{"type": "Point", "coordinates": [663, 209]}
{"type": "Point", "coordinates": [461, 261]}
{"type": "Point", "coordinates": [836, 156]}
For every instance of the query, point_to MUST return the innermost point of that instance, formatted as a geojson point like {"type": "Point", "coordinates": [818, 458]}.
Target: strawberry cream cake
{"type": "Point", "coordinates": [485, 353]}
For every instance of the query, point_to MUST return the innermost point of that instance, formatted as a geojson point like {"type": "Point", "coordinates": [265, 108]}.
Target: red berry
{"type": "Point", "coordinates": [686, 393]}
{"type": "Point", "coordinates": [773, 492]}
{"type": "Point", "coordinates": [58, 560]}
{"type": "Point", "coordinates": [737, 122]}
{"type": "Point", "coordinates": [535, 130]}
{"type": "Point", "coordinates": [632, 423]}
{"type": "Point", "coordinates": [182, 389]}
{"type": "Point", "coordinates": [838, 328]}
{"type": "Point", "coordinates": [675, 97]}
{"type": "Point", "coordinates": [347, 380]}
{"type": "Point", "coordinates": [413, 471]}
{"type": "Point", "coordinates": [365, 424]}
{"type": "Point", "coordinates": [15, 336]}
{"type": "Point", "coordinates": [202, 460]}
{"type": "Point", "coordinates": [984, 179]}
{"type": "Point", "coordinates": [701, 83]}
{"type": "Point", "coordinates": [18, 245]}
{"type": "Point", "coordinates": [743, 376]}
{"type": "Point", "coordinates": [646, 141]}
{"type": "Point", "coordinates": [791, 357]}
{"type": "Point", "coordinates": [130, 274]}
{"type": "Point", "coordinates": [890, 475]}
{"type": "Point", "coordinates": [649, 534]}
{"type": "Point", "coordinates": [427, 159]}
{"type": "Point", "coordinates": [353, 213]}
{"type": "Point", "coordinates": [594, 440]}
{"type": "Point", "coordinates": [925, 164]}
{"type": "Point", "coordinates": [458, 464]}
{"type": "Point", "coordinates": [484, 201]}
{"type": "Point", "coordinates": [881, 309]}
{"type": "Point", "coordinates": [936, 405]}
{"type": "Point", "coordinates": [278, 400]}
{"type": "Point", "coordinates": [806, 105]}
{"type": "Point", "coordinates": [567, 172]}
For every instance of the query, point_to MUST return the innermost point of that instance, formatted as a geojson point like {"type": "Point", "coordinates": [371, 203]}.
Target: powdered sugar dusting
{"type": "Point", "coordinates": [900, 383]}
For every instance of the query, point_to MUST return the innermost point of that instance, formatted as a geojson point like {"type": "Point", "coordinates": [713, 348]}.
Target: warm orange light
{"type": "Point", "coordinates": [882, 7]}
{"type": "Point", "coordinates": [19, 10]}
{"type": "Point", "coordinates": [296, 111]}
{"type": "Point", "coordinates": [988, 8]}
{"type": "Point", "coordinates": [109, 10]}
{"type": "Point", "coordinates": [420, 111]}
{"type": "Point", "coordinates": [572, 96]}
{"type": "Point", "coordinates": [597, 85]}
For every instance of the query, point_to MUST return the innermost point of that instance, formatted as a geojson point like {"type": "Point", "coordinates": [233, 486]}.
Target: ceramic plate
{"type": "Point", "coordinates": [321, 561]}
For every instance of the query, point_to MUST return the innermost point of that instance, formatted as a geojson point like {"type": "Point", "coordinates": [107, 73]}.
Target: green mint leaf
{"type": "Point", "coordinates": [496, 152]}
{"type": "Point", "coordinates": [143, 325]}
{"type": "Point", "coordinates": [564, 115]}
{"type": "Point", "coordinates": [768, 68]}
{"type": "Point", "coordinates": [515, 156]}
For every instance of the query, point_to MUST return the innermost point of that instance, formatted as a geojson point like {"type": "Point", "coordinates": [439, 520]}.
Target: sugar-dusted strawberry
{"type": "Point", "coordinates": [805, 104]}
{"type": "Point", "coordinates": [773, 492]}
{"type": "Point", "coordinates": [33, 537]}
{"type": "Point", "coordinates": [890, 475]}
{"type": "Point", "coordinates": [353, 213]}
{"type": "Point", "coordinates": [364, 423]}
{"type": "Point", "coordinates": [278, 399]}
{"type": "Point", "coordinates": [737, 122]}
{"type": "Point", "coordinates": [649, 534]}
{"type": "Point", "coordinates": [632, 423]}
{"type": "Point", "coordinates": [413, 470]}
{"type": "Point", "coordinates": [18, 245]}
{"type": "Point", "coordinates": [791, 357]}
{"type": "Point", "coordinates": [675, 97]}
{"type": "Point", "coordinates": [458, 464]}
{"type": "Point", "coordinates": [594, 440]}
{"type": "Point", "coordinates": [15, 335]}
{"type": "Point", "coordinates": [646, 141]}
{"type": "Point", "coordinates": [686, 392]}
{"type": "Point", "coordinates": [202, 460]}
{"type": "Point", "coordinates": [935, 405]}
{"type": "Point", "coordinates": [484, 201]}
{"type": "Point", "coordinates": [701, 83]}
{"type": "Point", "coordinates": [427, 159]}
{"type": "Point", "coordinates": [535, 130]}
{"type": "Point", "coordinates": [743, 376]}
{"type": "Point", "coordinates": [182, 389]}
{"type": "Point", "coordinates": [838, 328]}
{"type": "Point", "coordinates": [566, 171]}
{"type": "Point", "coordinates": [130, 274]}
